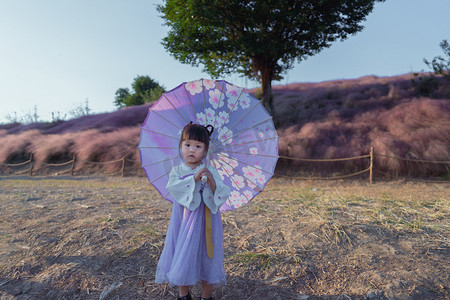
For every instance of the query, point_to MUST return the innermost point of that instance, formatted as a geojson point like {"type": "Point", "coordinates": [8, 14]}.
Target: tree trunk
{"type": "Point", "coordinates": [266, 87]}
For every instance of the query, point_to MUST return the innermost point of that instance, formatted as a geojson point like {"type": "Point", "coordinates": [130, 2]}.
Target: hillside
{"type": "Point", "coordinates": [332, 119]}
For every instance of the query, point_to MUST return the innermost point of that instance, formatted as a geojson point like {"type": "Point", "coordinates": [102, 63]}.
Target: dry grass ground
{"type": "Point", "coordinates": [100, 238]}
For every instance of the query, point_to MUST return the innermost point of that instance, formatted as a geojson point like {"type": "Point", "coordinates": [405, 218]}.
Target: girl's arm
{"type": "Point", "coordinates": [216, 192]}
{"type": "Point", "coordinates": [181, 187]}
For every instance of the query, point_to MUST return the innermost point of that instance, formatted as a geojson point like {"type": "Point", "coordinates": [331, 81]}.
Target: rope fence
{"type": "Point", "coordinates": [324, 159]}
{"type": "Point", "coordinates": [325, 178]}
{"type": "Point", "coordinates": [101, 162]}
{"type": "Point", "coordinates": [17, 165]}
{"type": "Point", "coordinates": [122, 171]}
{"type": "Point", "coordinates": [72, 163]}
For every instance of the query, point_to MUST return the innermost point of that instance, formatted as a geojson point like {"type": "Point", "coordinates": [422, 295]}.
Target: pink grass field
{"type": "Point", "coordinates": [333, 119]}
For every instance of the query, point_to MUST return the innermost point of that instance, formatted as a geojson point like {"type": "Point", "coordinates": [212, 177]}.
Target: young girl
{"type": "Point", "coordinates": [193, 249]}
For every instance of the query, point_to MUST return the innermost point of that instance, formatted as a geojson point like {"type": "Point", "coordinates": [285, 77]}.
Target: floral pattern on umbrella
{"type": "Point", "coordinates": [244, 144]}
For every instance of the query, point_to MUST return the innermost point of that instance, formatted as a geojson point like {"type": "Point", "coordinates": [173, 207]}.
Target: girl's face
{"type": "Point", "coordinates": [193, 152]}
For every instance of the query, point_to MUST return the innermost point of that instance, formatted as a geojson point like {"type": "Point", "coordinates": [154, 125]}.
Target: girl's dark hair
{"type": "Point", "coordinates": [197, 132]}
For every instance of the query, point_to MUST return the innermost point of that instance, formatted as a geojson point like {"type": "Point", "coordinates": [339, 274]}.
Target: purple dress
{"type": "Point", "coordinates": [184, 260]}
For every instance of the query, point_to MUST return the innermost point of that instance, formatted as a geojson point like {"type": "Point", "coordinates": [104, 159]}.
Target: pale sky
{"type": "Point", "coordinates": [55, 54]}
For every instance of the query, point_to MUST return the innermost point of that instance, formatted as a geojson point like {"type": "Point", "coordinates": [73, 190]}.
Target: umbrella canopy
{"type": "Point", "coordinates": [243, 147]}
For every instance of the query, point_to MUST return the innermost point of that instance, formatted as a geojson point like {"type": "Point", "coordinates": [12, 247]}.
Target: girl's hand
{"type": "Point", "coordinates": [210, 179]}
{"type": "Point", "coordinates": [199, 175]}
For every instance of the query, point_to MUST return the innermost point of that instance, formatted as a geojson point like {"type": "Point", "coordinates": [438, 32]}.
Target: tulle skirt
{"type": "Point", "coordinates": [184, 260]}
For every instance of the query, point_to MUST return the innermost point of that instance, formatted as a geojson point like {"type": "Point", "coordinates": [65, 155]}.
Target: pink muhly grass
{"type": "Point", "coordinates": [104, 147]}
{"type": "Point", "coordinates": [335, 119]}
{"type": "Point", "coordinates": [410, 128]}
{"type": "Point", "coordinates": [56, 148]}
{"type": "Point", "coordinates": [16, 148]}
{"type": "Point", "coordinates": [104, 122]}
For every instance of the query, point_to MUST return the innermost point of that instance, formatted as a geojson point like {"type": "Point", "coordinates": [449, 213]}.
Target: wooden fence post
{"type": "Point", "coordinates": [73, 164]}
{"type": "Point", "coordinates": [31, 164]}
{"type": "Point", "coordinates": [123, 166]}
{"type": "Point", "coordinates": [371, 165]}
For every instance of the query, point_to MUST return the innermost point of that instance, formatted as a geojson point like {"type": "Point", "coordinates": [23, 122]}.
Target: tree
{"type": "Point", "coordinates": [145, 90]}
{"type": "Point", "coordinates": [439, 64]}
{"type": "Point", "coordinates": [428, 83]}
{"type": "Point", "coordinates": [259, 39]}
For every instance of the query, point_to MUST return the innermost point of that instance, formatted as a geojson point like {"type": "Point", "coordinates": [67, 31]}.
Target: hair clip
{"type": "Point", "coordinates": [210, 132]}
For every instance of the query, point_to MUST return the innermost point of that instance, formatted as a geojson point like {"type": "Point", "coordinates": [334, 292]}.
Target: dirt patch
{"type": "Point", "coordinates": [88, 238]}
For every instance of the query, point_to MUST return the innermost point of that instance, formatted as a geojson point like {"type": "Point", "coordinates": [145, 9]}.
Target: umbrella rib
{"type": "Point", "coordinates": [240, 161]}
{"type": "Point", "coordinates": [164, 197]}
{"type": "Point", "coordinates": [237, 171]}
{"type": "Point", "coordinates": [240, 120]}
{"type": "Point", "coordinates": [159, 133]}
{"type": "Point", "coordinates": [229, 176]}
{"type": "Point", "coordinates": [204, 100]}
{"type": "Point", "coordinates": [218, 104]}
{"type": "Point", "coordinates": [246, 129]}
{"type": "Point", "coordinates": [229, 110]}
{"type": "Point", "coordinates": [189, 98]}
{"type": "Point", "coordinates": [160, 177]}
{"type": "Point", "coordinates": [174, 108]}
{"type": "Point", "coordinates": [229, 113]}
{"type": "Point", "coordinates": [157, 162]}
{"type": "Point", "coordinates": [166, 119]}
{"type": "Point", "coordinates": [255, 141]}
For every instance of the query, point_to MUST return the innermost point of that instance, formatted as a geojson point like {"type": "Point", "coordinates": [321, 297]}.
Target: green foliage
{"type": "Point", "coordinates": [427, 84]}
{"type": "Point", "coordinates": [145, 90]}
{"type": "Point", "coordinates": [121, 97]}
{"type": "Point", "coordinates": [259, 39]}
{"type": "Point", "coordinates": [439, 64]}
